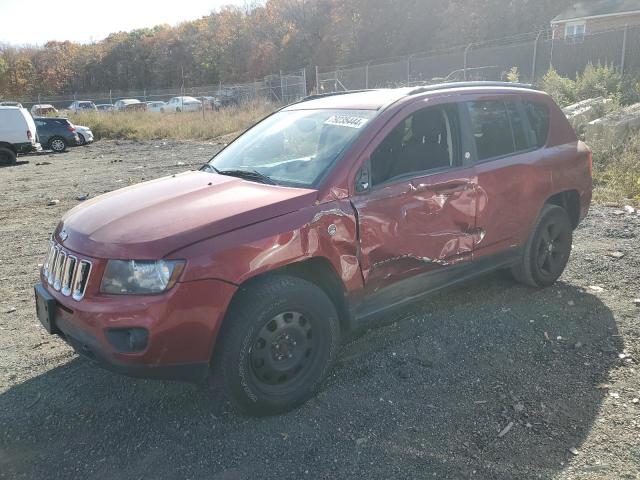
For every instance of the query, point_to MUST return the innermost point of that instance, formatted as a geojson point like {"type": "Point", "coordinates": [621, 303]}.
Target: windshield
{"type": "Point", "coordinates": [294, 147]}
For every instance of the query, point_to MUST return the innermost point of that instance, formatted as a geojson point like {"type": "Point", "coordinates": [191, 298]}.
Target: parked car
{"type": "Point", "coordinates": [56, 133]}
{"type": "Point", "coordinates": [8, 103]}
{"type": "Point", "coordinates": [85, 135]}
{"type": "Point", "coordinates": [157, 107]}
{"type": "Point", "coordinates": [129, 104]}
{"type": "Point", "coordinates": [184, 104]}
{"type": "Point", "coordinates": [18, 134]}
{"type": "Point", "coordinates": [42, 110]}
{"type": "Point", "coordinates": [327, 214]}
{"type": "Point", "coordinates": [82, 106]}
{"type": "Point", "coordinates": [105, 107]}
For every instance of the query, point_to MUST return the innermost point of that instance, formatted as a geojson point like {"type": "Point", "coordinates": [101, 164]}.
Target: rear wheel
{"type": "Point", "coordinates": [7, 156]}
{"type": "Point", "coordinates": [277, 343]}
{"type": "Point", "coordinates": [57, 144]}
{"type": "Point", "coordinates": [547, 251]}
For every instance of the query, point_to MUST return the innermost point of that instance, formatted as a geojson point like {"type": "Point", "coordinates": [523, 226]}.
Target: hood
{"type": "Point", "coordinates": [153, 219]}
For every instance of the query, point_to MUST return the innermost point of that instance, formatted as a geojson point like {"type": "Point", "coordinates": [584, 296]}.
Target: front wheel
{"type": "Point", "coordinates": [81, 139]}
{"type": "Point", "coordinates": [547, 251]}
{"type": "Point", "coordinates": [277, 343]}
{"type": "Point", "coordinates": [57, 144]}
{"type": "Point", "coordinates": [7, 157]}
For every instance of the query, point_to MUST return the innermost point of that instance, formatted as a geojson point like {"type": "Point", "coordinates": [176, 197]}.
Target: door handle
{"type": "Point", "coordinates": [450, 188]}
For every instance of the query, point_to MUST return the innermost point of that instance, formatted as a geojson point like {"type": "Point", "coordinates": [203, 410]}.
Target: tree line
{"type": "Point", "coordinates": [241, 44]}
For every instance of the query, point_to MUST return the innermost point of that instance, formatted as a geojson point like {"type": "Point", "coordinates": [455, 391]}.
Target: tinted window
{"type": "Point", "coordinates": [491, 129]}
{"type": "Point", "coordinates": [426, 140]}
{"type": "Point", "coordinates": [517, 126]}
{"type": "Point", "coordinates": [538, 115]}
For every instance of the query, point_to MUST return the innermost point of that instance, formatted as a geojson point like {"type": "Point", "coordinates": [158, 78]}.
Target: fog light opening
{"type": "Point", "coordinates": [128, 340]}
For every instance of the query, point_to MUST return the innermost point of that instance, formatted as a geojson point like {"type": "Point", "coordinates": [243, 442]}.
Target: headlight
{"type": "Point", "coordinates": [130, 277]}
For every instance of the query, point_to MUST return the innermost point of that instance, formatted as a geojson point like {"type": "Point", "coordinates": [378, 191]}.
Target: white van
{"type": "Point", "coordinates": [17, 134]}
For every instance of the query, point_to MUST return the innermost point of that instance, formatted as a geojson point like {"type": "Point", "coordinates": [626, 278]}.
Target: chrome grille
{"type": "Point", "coordinates": [67, 275]}
{"type": "Point", "coordinates": [57, 277]}
{"type": "Point", "coordinates": [65, 272]}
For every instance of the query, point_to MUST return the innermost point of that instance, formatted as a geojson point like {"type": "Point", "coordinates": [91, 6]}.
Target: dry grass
{"type": "Point", "coordinates": [175, 126]}
{"type": "Point", "coordinates": [616, 173]}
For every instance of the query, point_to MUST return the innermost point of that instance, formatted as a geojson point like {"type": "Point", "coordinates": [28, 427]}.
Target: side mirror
{"type": "Point", "coordinates": [363, 179]}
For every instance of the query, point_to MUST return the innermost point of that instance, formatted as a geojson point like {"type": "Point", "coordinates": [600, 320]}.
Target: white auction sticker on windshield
{"type": "Point", "coordinates": [346, 121]}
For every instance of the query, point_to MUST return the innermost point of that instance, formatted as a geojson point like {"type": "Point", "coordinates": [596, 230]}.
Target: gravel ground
{"type": "Point", "coordinates": [491, 380]}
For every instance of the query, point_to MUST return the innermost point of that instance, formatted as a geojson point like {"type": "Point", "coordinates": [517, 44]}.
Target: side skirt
{"type": "Point", "coordinates": [416, 288]}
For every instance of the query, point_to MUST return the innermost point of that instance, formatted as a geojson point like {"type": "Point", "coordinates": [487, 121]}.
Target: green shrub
{"type": "Point", "coordinates": [594, 81]}
{"type": "Point", "coordinates": [562, 89]}
{"type": "Point", "coordinates": [616, 172]}
{"type": "Point", "coordinates": [513, 75]}
{"type": "Point", "coordinates": [629, 90]}
{"type": "Point", "coordinates": [598, 81]}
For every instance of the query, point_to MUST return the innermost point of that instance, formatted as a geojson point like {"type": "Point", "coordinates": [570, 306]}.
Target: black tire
{"type": "Point", "coordinates": [162, 110]}
{"type": "Point", "coordinates": [278, 341]}
{"type": "Point", "coordinates": [547, 250]}
{"type": "Point", "coordinates": [81, 139]}
{"type": "Point", "coordinates": [57, 144]}
{"type": "Point", "coordinates": [178, 110]}
{"type": "Point", "coordinates": [7, 156]}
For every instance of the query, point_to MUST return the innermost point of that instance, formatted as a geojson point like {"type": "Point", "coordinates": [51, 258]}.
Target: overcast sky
{"type": "Point", "coordinates": [37, 21]}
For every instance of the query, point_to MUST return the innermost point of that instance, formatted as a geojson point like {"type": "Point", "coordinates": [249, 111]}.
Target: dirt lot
{"type": "Point", "coordinates": [490, 381]}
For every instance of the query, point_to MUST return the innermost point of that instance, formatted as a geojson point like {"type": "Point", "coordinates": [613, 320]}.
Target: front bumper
{"type": "Point", "coordinates": [182, 327]}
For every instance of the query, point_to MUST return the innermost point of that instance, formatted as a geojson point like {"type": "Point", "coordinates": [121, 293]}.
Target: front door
{"type": "Point", "coordinates": [419, 214]}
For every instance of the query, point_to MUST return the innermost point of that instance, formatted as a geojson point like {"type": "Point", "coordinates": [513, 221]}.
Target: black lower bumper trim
{"type": "Point", "coordinates": [87, 346]}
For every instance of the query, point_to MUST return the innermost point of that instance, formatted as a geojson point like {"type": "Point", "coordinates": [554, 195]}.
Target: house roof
{"type": "Point", "coordinates": [598, 8]}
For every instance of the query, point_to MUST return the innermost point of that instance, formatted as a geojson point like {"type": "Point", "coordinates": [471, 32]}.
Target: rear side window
{"type": "Point", "coordinates": [538, 115]}
{"type": "Point", "coordinates": [491, 129]}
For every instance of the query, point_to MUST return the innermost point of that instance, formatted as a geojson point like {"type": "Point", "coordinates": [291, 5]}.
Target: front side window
{"type": "Point", "coordinates": [295, 147]}
{"type": "Point", "coordinates": [425, 141]}
{"type": "Point", "coordinates": [491, 129]}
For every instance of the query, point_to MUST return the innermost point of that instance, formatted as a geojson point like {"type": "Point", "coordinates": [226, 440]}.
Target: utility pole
{"type": "Point", "coordinates": [466, 59]}
{"type": "Point", "coordinates": [624, 48]}
{"type": "Point", "coordinates": [535, 57]}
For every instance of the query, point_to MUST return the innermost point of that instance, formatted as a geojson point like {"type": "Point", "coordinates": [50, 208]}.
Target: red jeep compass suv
{"type": "Point", "coordinates": [326, 213]}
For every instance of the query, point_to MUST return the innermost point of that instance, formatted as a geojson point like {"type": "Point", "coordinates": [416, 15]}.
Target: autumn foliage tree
{"type": "Point", "coordinates": [242, 44]}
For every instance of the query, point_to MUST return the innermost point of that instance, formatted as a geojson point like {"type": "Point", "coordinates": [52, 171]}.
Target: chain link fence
{"type": "Point", "coordinates": [280, 88]}
{"type": "Point", "coordinates": [532, 54]}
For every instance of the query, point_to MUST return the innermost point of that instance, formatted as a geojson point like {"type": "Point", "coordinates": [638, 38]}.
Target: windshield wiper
{"type": "Point", "coordinates": [209, 167]}
{"type": "Point", "coordinates": [247, 174]}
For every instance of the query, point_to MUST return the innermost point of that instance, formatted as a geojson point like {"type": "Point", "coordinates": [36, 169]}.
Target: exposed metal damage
{"type": "Point", "coordinates": [409, 256]}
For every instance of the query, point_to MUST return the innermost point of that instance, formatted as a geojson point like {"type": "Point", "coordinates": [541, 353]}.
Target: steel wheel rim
{"type": "Point", "coordinates": [57, 145]}
{"type": "Point", "coordinates": [552, 249]}
{"type": "Point", "coordinates": [283, 351]}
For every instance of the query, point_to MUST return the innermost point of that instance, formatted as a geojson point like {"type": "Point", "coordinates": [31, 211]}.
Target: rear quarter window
{"type": "Point", "coordinates": [538, 116]}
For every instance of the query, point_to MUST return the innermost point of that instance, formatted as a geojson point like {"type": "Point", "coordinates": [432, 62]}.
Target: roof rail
{"type": "Point", "coordinates": [443, 86]}
{"type": "Point", "coordinates": [333, 94]}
